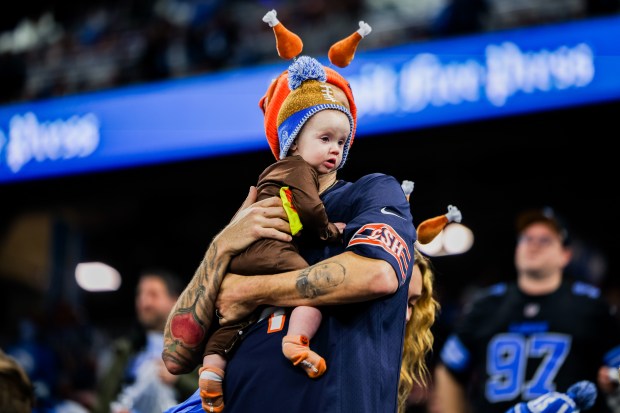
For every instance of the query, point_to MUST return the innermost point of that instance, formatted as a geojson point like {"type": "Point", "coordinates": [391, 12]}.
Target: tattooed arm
{"type": "Point", "coordinates": [192, 315]}
{"type": "Point", "coordinates": [345, 278]}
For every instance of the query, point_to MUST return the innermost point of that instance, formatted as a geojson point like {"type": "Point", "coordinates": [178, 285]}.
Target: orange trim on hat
{"type": "Point", "coordinates": [271, 104]}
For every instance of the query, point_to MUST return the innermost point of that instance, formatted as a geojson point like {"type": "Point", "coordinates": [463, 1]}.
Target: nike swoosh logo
{"type": "Point", "coordinates": [385, 211]}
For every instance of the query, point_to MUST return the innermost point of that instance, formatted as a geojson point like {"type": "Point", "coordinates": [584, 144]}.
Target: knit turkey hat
{"type": "Point", "coordinates": [306, 88]}
{"type": "Point", "coordinates": [309, 94]}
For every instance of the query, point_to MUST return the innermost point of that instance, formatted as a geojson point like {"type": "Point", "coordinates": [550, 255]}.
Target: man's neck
{"type": "Point", "coordinates": [326, 181]}
{"type": "Point", "coordinates": [539, 285]}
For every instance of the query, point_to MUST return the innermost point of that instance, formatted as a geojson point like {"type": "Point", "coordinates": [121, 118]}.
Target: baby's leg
{"type": "Point", "coordinates": [295, 345]}
{"type": "Point", "coordinates": [210, 383]}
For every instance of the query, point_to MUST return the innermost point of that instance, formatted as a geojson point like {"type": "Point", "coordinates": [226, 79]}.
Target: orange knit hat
{"type": "Point", "coordinates": [310, 94]}
{"type": "Point", "coordinates": [290, 46]}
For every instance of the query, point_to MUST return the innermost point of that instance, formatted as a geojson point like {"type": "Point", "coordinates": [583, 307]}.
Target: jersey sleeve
{"type": "Point", "coordinates": [611, 335]}
{"type": "Point", "coordinates": [457, 353]}
{"type": "Point", "coordinates": [382, 226]}
{"type": "Point", "coordinates": [608, 329]}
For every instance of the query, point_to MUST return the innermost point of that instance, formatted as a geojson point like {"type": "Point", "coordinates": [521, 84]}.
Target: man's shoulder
{"type": "Point", "coordinates": [376, 178]}
{"type": "Point", "coordinates": [368, 188]}
{"type": "Point", "coordinates": [497, 291]}
{"type": "Point", "coordinates": [376, 185]}
{"type": "Point", "coordinates": [488, 297]}
{"type": "Point", "coordinates": [585, 290]}
{"type": "Point", "coordinates": [588, 297]}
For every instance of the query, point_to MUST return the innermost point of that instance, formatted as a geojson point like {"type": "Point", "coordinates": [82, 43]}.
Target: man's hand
{"type": "Point", "coordinates": [253, 221]}
{"type": "Point", "coordinates": [232, 302]}
{"type": "Point", "coordinates": [185, 337]}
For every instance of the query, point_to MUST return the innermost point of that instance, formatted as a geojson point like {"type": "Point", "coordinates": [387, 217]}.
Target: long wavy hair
{"type": "Point", "coordinates": [418, 336]}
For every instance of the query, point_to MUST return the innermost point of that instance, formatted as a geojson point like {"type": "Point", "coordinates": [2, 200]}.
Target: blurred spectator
{"type": "Point", "coordinates": [16, 391]}
{"type": "Point", "coordinates": [56, 350]}
{"type": "Point", "coordinates": [541, 333]}
{"type": "Point", "coordinates": [136, 379]}
{"type": "Point", "coordinates": [38, 360]}
{"type": "Point", "coordinates": [75, 344]}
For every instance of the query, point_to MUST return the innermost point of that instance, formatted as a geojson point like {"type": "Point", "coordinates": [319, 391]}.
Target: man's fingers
{"type": "Point", "coordinates": [275, 212]}
{"type": "Point", "coordinates": [276, 234]}
{"type": "Point", "coordinates": [255, 220]}
{"type": "Point", "coordinates": [251, 198]}
{"type": "Point", "coordinates": [278, 224]}
{"type": "Point", "coordinates": [271, 202]}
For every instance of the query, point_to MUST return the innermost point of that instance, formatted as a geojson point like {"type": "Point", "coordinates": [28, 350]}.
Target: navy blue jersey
{"type": "Point", "coordinates": [361, 343]}
{"type": "Point", "coordinates": [511, 347]}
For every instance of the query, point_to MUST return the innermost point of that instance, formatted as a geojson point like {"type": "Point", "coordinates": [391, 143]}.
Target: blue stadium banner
{"type": "Point", "coordinates": [417, 85]}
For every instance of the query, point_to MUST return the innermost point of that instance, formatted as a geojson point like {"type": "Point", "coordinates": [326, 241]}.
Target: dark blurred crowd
{"type": "Point", "coordinates": [61, 352]}
{"type": "Point", "coordinates": [50, 48]}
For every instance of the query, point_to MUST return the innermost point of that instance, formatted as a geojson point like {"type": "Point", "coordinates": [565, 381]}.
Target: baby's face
{"type": "Point", "coordinates": [321, 140]}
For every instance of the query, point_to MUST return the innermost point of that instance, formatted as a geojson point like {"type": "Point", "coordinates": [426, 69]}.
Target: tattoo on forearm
{"type": "Point", "coordinates": [192, 316]}
{"type": "Point", "coordinates": [317, 279]}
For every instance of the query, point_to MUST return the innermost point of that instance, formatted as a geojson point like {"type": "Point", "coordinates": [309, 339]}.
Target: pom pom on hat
{"type": "Point", "coordinates": [305, 68]}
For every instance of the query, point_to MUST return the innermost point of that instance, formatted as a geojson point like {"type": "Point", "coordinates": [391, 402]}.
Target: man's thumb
{"type": "Point", "coordinates": [251, 198]}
